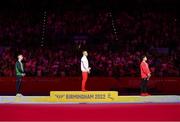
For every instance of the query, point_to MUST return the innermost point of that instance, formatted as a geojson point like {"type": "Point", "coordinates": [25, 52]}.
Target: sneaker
{"type": "Point", "coordinates": [19, 95]}
{"type": "Point", "coordinates": [84, 90]}
{"type": "Point", "coordinates": [147, 94]}
{"type": "Point", "coordinates": [143, 94]}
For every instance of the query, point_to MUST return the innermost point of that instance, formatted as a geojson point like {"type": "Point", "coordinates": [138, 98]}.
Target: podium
{"type": "Point", "coordinates": [74, 97]}
{"type": "Point", "coordinates": [78, 96]}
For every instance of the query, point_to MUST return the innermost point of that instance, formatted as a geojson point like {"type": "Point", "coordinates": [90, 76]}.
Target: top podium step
{"type": "Point", "coordinates": [89, 96]}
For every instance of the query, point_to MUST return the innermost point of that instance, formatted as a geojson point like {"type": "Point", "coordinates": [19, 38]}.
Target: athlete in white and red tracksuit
{"type": "Point", "coordinates": [145, 75]}
{"type": "Point", "coordinates": [85, 70]}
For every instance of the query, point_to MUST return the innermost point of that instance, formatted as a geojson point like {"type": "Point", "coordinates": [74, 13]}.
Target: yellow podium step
{"type": "Point", "coordinates": [78, 96]}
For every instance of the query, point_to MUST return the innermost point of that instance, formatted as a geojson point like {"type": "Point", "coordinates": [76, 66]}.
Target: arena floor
{"type": "Point", "coordinates": [124, 108]}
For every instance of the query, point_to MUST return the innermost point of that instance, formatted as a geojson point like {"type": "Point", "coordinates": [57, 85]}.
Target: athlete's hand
{"type": "Point", "coordinates": [149, 75]}
{"type": "Point", "coordinates": [89, 70]}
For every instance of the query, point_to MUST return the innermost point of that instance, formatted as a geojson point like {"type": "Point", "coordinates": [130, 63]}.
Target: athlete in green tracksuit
{"type": "Point", "coordinates": [19, 68]}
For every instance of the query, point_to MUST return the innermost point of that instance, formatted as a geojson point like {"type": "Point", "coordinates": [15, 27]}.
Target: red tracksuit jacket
{"type": "Point", "coordinates": [144, 69]}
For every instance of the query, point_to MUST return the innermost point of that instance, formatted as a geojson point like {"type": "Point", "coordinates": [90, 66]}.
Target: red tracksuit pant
{"type": "Point", "coordinates": [84, 79]}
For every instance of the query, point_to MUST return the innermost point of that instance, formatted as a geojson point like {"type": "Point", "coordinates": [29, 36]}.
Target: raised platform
{"type": "Point", "coordinates": [92, 97]}
{"type": "Point", "coordinates": [89, 106]}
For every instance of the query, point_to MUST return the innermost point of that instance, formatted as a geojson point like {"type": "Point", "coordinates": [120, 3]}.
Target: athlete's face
{"type": "Point", "coordinates": [85, 53]}
{"type": "Point", "coordinates": [145, 58]}
{"type": "Point", "coordinates": [20, 57]}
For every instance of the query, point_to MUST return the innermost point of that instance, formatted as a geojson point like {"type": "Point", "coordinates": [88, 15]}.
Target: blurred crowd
{"type": "Point", "coordinates": [117, 40]}
{"type": "Point", "coordinates": [65, 62]}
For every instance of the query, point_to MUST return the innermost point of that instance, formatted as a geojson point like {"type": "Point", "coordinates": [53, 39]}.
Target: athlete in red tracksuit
{"type": "Point", "coordinates": [85, 70]}
{"type": "Point", "coordinates": [145, 75]}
